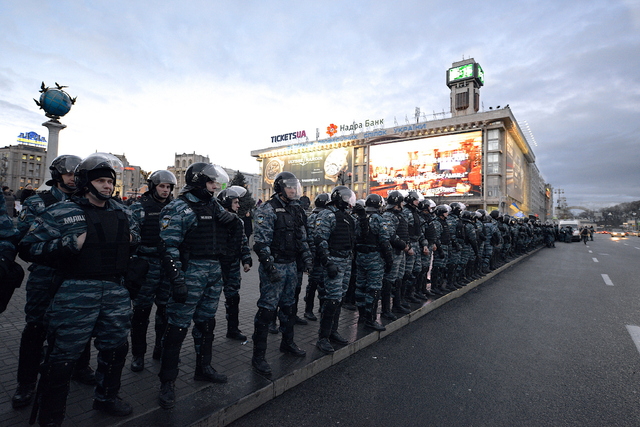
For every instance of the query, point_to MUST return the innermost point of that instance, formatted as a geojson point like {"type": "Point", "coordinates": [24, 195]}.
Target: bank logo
{"type": "Point", "coordinates": [332, 129]}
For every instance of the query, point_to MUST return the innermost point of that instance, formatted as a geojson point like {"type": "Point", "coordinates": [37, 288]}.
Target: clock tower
{"type": "Point", "coordinates": [465, 78]}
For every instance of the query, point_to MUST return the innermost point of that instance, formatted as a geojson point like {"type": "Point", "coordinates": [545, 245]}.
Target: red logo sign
{"type": "Point", "coordinates": [332, 129]}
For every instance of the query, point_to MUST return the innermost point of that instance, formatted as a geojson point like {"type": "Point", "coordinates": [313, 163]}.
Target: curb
{"type": "Point", "coordinates": [220, 405]}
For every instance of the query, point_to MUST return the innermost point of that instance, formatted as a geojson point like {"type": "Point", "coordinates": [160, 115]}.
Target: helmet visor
{"type": "Point", "coordinates": [216, 174]}
{"type": "Point", "coordinates": [349, 198]}
{"type": "Point", "coordinates": [236, 192]}
{"type": "Point", "coordinates": [65, 164]}
{"type": "Point", "coordinates": [102, 161]}
{"type": "Point", "coordinates": [292, 188]}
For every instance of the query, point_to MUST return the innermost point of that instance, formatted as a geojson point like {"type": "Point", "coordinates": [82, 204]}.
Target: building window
{"type": "Point", "coordinates": [24, 157]}
{"type": "Point", "coordinates": [493, 139]}
{"type": "Point", "coordinates": [31, 157]}
{"type": "Point", "coordinates": [493, 186]}
{"type": "Point", "coordinates": [493, 165]}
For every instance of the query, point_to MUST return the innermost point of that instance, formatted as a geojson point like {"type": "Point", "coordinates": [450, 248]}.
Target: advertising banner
{"type": "Point", "coordinates": [515, 170]}
{"type": "Point", "coordinates": [447, 165]}
{"type": "Point", "coordinates": [315, 168]}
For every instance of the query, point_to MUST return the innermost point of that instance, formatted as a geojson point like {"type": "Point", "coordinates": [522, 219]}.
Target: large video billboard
{"type": "Point", "coordinates": [314, 168]}
{"type": "Point", "coordinates": [446, 165]}
{"type": "Point", "coordinates": [515, 170]}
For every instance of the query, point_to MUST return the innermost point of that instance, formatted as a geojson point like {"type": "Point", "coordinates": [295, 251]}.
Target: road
{"type": "Point", "coordinates": [549, 342]}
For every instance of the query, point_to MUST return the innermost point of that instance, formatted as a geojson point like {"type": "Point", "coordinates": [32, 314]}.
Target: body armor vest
{"type": "Point", "coordinates": [285, 233]}
{"type": "Point", "coordinates": [445, 237]}
{"type": "Point", "coordinates": [105, 252]}
{"type": "Point", "coordinates": [368, 242]}
{"type": "Point", "coordinates": [199, 242]}
{"type": "Point", "coordinates": [403, 227]}
{"type": "Point", "coordinates": [48, 198]}
{"type": "Point", "coordinates": [342, 237]}
{"type": "Point", "coordinates": [150, 230]}
{"type": "Point", "coordinates": [415, 230]}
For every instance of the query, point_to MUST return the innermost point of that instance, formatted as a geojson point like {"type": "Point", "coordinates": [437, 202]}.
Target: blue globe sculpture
{"type": "Point", "coordinates": [55, 102]}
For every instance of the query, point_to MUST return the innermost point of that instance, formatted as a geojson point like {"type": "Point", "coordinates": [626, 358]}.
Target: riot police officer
{"type": "Point", "coordinates": [443, 244]}
{"type": "Point", "coordinates": [39, 286]}
{"type": "Point", "coordinates": [146, 212]}
{"type": "Point", "coordinates": [373, 256]}
{"type": "Point", "coordinates": [316, 274]}
{"type": "Point", "coordinates": [399, 239]}
{"type": "Point", "coordinates": [419, 244]}
{"type": "Point", "coordinates": [87, 240]}
{"type": "Point", "coordinates": [11, 273]}
{"type": "Point", "coordinates": [334, 240]}
{"type": "Point", "coordinates": [236, 251]}
{"type": "Point", "coordinates": [191, 261]}
{"type": "Point", "coordinates": [279, 238]}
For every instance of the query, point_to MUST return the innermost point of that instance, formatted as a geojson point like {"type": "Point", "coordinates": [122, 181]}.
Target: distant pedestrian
{"type": "Point", "coordinates": [10, 201]}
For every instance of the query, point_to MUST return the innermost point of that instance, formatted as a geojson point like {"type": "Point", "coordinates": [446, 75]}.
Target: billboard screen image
{"type": "Point", "coordinates": [447, 165]}
{"type": "Point", "coordinates": [314, 168]}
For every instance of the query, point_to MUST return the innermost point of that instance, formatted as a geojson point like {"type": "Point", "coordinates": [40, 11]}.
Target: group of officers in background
{"type": "Point", "coordinates": [98, 267]}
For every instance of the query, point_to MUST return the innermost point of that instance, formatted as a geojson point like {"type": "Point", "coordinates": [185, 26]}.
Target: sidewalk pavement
{"type": "Point", "coordinates": [201, 403]}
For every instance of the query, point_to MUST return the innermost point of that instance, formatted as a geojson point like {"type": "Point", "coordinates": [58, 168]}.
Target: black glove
{"type": "Point", "coordinates": [387, 267]}
{"type": "Point", "coordinates": [11, 275]}
{"type": "Point", "coordinates": [180, 291]}
{"type": "Point", "coordinates": [360, 211]}
{"type": "Point", "coordinates": [272, 272]}
{"type": "Point", "coordinates": [136, 275]}
{"type": "Point", "coordinates": [332, 270]}
{"type": "Point", "coordinates": [440, 253]}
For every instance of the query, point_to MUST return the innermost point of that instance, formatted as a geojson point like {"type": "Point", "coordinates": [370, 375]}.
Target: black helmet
{"type": "Point", "coordinates": [97, 165]}
{"type": "Point", "coordinates": [287, 180]}
{"type": "Point", "coordinates": [198, 174]}
{"type": "Point", "coordinates": [494, 214]}
{"type": "Point", "coordinates": [441, 210]}
{"type": "Point", "coordinates": [457, 207]}
{"type": "Point", "coordinates": [342, 197]}
{"type": "Point", "coordinates": [394, 198]}
{"type": "Point", "coordinates": [373, 202]}
{"type": "Point", "coordinates": [62, 165]}
{"type": "Point", "coordinates": [227, 196]}
{"type": "Point", "coordinates": [468, 215]}
{"type": "Point", "coordinates": [161, 177]}
{"type": "Point", "coordinates": [321, 200]}
{"type": "Point", "coordinates": [483, 214]}
{"type": "Point", "coordinates": [413, 195]}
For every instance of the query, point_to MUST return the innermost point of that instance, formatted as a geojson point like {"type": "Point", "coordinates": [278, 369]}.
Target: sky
{"type": "Point", "coordinates": [219, 78]}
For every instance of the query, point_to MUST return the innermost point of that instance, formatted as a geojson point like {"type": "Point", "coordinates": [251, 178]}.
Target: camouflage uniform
{"type": "Point", "coordinates": [316, 276]}
{"type": "Point", "coordinates": [372, 242]}
{"type": "Point", "coordinates": [413, 263]}
{"type": "Point", "coordinates": [11, 274]}
{"type": "Point", "coordinates": [334, 241]}
{"type": "Point", "coordinates": [392, 281]}
{"type": "Point", "coordinates": [280, 237]}
{"type": "Point", "coordinates": [39, 295]}
{"type": "Point", "coordinates": [91, 299]}
{"type": "Point", "coordinates": [188, 232]}
{"type": "Point", "coordinates": [156, 287]}
{"type": "Point", "coordinates": [441, 256]}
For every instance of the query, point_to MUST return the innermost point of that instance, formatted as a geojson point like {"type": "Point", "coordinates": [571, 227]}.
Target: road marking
{"type": "Point", "coordinates": [604, 254]}
{"type": "Point", "coordinates": [595, 259]}
{"type": "Point", "coordinates": [636, 247]}
{"type": "Point", "coordinates": [590, 252]}
{"type": "Point", "coordinates": [634, 331]}
{"type": "Point", "coordinates": [606, 279]}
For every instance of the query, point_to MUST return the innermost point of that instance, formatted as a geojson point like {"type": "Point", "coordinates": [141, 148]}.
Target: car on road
{"type": "Point", "coordinates": [618, 233]}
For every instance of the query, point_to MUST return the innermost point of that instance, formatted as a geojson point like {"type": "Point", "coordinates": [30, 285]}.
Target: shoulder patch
{"type": "Point", "coordinates": [259, 218]}
{"type": "Point", "coordinates": [23, 215]}
{"type": "Point", "coordinates": [165, 222]}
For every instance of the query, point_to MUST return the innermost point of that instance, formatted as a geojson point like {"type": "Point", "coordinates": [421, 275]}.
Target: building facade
{"type": "Point", "coordinates": [22, 164]}
{"type": "Point", "coordinates": [480, 158]}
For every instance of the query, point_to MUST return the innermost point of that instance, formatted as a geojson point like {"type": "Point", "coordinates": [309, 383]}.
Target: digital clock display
{"type": "Point", "coordinates": [461, 72]}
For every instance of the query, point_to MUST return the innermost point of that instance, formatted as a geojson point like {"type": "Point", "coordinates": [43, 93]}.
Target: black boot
{"type": "Point", "coordinates": [54, 389]}
{"type": "Point", "coordinates": [233, 331]}
{"type": "Point", "coordinates": [260, 333]}
{"type": "Point", "coordinates": [287, 320]}
{"type": "Point", "coordinates": [33, 337]}
{"type": "Point", "coordinates": [386, 301]}
{"type": "Point", "coordinates": [83, 372]}
{"type": "Point", "coordinates": [171, 345]}
{"type": "Point", "coordinates": [309, 300]}
{"type": "Point", "coordinates": [110, 364]}
{"type": "Point", "coordinates": [160, 328]}
{"type": "Point", "coordinates": [397, 299]}
{"type": "Point", "coordinates": [372, 313]}
{"type": "Point", "coordinates": [362, 312]}
{"type": "Point", "coordinates": [139, 325]}
{"type": "Point", "coordinates": [328, 310]}
{"type": "Point", "coordinates": [335, 336]}
{"type": "Point", "coordinates": [203, 340]}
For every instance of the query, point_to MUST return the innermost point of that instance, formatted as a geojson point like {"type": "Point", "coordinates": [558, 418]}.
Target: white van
{"type": "Point", "coordinates": [575, 227]}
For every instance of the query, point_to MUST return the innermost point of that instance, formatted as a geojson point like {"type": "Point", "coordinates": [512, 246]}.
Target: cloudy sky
{"type": "Point", "coordinates": [155, 78]}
